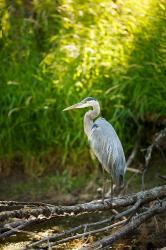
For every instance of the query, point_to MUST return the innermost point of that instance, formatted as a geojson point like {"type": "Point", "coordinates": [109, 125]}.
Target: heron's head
{"type": "Point", "coordinates": [87, 102]}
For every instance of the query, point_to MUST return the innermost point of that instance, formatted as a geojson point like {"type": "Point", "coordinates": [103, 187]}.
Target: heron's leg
{"type": "Point", "coordinates": [112, 189]}
{"type": "Point", "coordinates": [103, 191]}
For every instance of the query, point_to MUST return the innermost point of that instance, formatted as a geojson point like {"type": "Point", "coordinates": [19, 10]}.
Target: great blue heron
{"type": "Point", "coordinates": [104, 141]}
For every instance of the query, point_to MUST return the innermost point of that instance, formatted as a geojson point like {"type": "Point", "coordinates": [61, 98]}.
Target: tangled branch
{"type": "Point", "coordinates": [132, 214]}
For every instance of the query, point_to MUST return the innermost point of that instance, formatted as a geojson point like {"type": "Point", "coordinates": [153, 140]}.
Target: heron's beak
{"type": "Point", "coordinates": [76, 106]}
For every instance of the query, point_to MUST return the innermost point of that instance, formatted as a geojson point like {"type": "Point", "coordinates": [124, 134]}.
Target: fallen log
{"type": "Point", "coordinates": [93, 206]}
{"type": "Point", "coordinates": [135, 209]}
{"type": "Point", "coordinates": [130, 227]}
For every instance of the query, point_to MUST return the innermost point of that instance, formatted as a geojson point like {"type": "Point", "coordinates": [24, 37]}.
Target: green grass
{"type": "Point", "coordinates": [54, 53]}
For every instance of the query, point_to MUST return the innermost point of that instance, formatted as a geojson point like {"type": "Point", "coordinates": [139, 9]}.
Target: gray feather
{"type": "Point", "coordinates": [107, 147]}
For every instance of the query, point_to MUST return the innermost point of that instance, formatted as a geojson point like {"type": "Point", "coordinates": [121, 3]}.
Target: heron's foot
{"type": "Point", "coordinates": [108, 198]}
{"type": "Point", "coordinates": [105, 202]}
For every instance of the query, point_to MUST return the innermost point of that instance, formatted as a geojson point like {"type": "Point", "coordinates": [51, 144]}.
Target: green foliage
{"type": "Point", "coordinates": [54, 53]}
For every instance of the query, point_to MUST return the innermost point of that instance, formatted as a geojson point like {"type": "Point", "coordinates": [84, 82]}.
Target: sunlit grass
{"type": "Point", "coordinates": [52, 57]}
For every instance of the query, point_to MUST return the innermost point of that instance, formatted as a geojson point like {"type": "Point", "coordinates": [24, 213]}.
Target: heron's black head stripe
{"type": "Point", "coordinates": [89, 99]}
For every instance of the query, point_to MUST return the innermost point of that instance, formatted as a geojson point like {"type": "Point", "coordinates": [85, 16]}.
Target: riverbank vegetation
{"type": "Point", "coordinates": [55, 53]}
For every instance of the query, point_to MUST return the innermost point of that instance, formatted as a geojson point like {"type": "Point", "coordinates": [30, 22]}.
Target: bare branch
{"type": "Point", "coordinates": [83, 226]}
{"type": "Point", "coordinates": [19, 228]}
{"type": "Point", "coordinates": [134, 153]}
{"type": "Point", "coordinates": [92, 206]}
{"type": "Point", "coordinates": [124, 231]}
{"type": "Point", "coordinates": [78, 236]}
{"type": "Point", "coordinates": [162, 177]}
{"type": "Point", "coordinates": [134, 170]}
{"type": "Point", "coordinates": [13, 222]}
{"type": "Point", "coordinates": [68, 234]}
{"type": "Point", "coordinates": [155, 143]}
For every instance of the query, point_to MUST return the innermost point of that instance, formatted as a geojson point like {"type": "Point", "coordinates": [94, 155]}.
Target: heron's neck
{"type": "Point", "coordinates": [89, 116]}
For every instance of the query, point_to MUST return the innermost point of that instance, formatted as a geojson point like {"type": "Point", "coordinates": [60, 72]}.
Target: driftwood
{"type": "Point", "coordinates": [16, 217]}
{"type": "Point", "coordinates": [97, 205]}
{"type": "Point", "coordinates": [128, 228]}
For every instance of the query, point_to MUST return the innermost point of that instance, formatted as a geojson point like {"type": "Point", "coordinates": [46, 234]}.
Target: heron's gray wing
{"type": "Point", "coordinates": [107, 147]}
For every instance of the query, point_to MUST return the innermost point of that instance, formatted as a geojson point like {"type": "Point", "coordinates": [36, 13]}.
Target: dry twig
{"type": "Point", "coordinates": [148, 155]}
{"type": "Point", "coordinates": [17, 220]}
{"type": "Point", "coordinates": [127, 229]}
